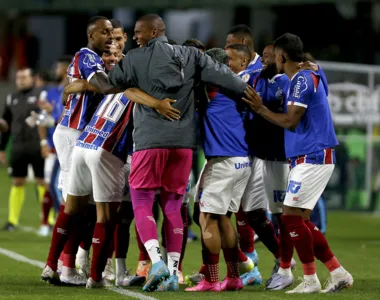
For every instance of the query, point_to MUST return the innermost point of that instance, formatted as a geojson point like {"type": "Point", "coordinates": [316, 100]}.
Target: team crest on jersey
{"type": "Point", "coordinates": [90, 60]}
{"type": "Point", "coordinates": [300, 87]}
{"type": "Point", "coordinates": [245, 77]}
{"type": "Point", "coordinates": [279, 95]}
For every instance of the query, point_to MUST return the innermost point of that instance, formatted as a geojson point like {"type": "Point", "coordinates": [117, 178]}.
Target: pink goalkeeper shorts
{"type": "Point", "coordinates": [168, 169]}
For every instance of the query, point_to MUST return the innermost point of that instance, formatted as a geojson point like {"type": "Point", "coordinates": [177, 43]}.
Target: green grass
{"type": "Point", "coordinates": [354, 238]}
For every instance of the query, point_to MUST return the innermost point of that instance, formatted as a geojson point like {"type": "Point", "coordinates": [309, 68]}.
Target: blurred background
{"type": "Point", "coordinates": [343, 36]}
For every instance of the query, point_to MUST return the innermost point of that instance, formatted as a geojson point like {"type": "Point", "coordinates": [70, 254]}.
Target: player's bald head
{"type": "Point", "coordinates": [154, 22]}
{"type": "Point", "coordinates": [94, 22]}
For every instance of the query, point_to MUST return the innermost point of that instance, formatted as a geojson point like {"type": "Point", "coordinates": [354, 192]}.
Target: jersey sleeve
{"type": "Point", "coordinates": [89, 65]}
{"type": "Point", "coordinates": [301, 88]}
{"type": "Point", "coordinates": [323, 79]}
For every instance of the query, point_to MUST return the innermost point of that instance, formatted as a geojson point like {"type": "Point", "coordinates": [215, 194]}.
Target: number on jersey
{"type": "Point", "coordinates": [112, 108]}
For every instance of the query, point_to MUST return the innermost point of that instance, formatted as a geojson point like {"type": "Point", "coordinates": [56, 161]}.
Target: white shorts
{"type": "Point", "coordinates": [127, 171]}
{"type": "Point", "coordinates": [306, 184]}
{"type": "Point", "coordinates": [48, 167]}
{"type": "Point", "coordinates": [222, 183]}
{"type": "Point", "coordinates": [65, 139]}
{"type": "Point", "coordinates": [98, 172]}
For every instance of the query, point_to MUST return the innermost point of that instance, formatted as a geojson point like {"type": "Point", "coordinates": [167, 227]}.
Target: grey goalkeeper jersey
{"type": "Point", "coordinates": [170, 71]}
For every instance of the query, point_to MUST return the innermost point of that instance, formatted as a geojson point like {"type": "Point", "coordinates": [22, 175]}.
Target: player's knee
{"type": "Point", "coordinates": [18, 181]}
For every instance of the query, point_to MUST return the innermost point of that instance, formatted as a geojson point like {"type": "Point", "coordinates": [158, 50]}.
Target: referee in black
{"type": "Point", "coordinates": [25, 145]}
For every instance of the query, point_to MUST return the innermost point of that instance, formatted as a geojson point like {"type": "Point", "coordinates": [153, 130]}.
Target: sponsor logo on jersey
{"type": "Point", "coordinates": [293, 187]}
{"type": "Point", "coordinates": [279, 196]}
{"type": "Point", "coordinates": [243, 165]}
{"type": "Point", "coordinates": [101, 133]}
{"type": "Point", "coordinates": [300, 86]}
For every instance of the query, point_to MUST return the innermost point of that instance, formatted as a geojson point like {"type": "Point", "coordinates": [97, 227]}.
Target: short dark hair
{"type": "Point", "coordinates": [65, 59]}
{"type": "Point", "coordinates": [309, 57]}
{"type": "Point", "coordinates": [32, 72]}
{"type": "Point", "coordinates": [292, 45]}
{"type": "Point", "coordinates": [44, 75]}
{"type": "Point", "coordinates": [242, 49]}
{"type": "Point", "coordinates": [194, 43]}
{"type": "Point", "coordinates": [242, 31]}
{"type": "Point", "coordinates": [172, 42]}
{"type": "Point", "coordinates": [117, 24]}
{"type": "Point", "coordinates": [218, 54]}
{"type": "Point", "coordinates": [93, 20]}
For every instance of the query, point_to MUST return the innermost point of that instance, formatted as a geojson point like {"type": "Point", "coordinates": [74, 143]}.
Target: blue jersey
{"type": "Point", "coordinates": [80, 107]}
{"type": "Point", "coordinates": [266, 140]}
{"type": "Point", "coordinates": [53, 96]}
{"type": "Point", "coordinates": [110, 127]}
{"type": "Point", "coordinates": [255, 65]}
{"type": "Point", "coordinates": [223, 127]}
{"type": "Point", "coordinates": [313, 139]}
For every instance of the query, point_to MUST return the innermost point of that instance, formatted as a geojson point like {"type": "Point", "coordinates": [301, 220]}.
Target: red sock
{"type": "Point", "coordinates": [72, 244]}
{"type": "Point", "coordinates": [185, 234]}
{"type": "Point", "coordinates": [143, 253]}
{"type": "Point", "coordinates": [61, 256]}
{"type": "Point", "coordinates": [230, 256]}
{"type": "Point", "coordinates": [302, 241]}
{"type": "Point", "coordinates": [211, 266]}
{"type": "Point", "coordinates": [101, 242]}
{"type": "Point", "coordinates": [60, 235]}
{"type": "Point", "coordinates": [121, 240]}
{"type": "Point", "coordinates": [47, 204]}
{"type": "Point", "coordinates": [286, 244]}
{"type": "Point", "coordinates": [246, 233]}
{"type": "Point", "coordinates": [88, 230]}
{"type": "Point", "coordinates": [321, 247]}
{"type": "Point", "coordinates": [202, 270]}
{"type": "Point", "coordinates": [241, 256]}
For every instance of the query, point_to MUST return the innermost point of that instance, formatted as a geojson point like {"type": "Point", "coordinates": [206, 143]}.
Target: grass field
{"type": "Point", "coordinates": [355, 239]}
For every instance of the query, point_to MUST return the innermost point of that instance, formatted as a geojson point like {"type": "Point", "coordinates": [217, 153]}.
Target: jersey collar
{"type": "Point", "coordinates": [254, 60]}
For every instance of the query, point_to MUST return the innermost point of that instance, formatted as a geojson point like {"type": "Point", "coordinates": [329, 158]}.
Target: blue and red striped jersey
{"type": "Point", "coordinates": [110, 127]}
{"type": "Point", "coordinates": [80, 107]}
{"type": "Point", "coordinates": [320, 157]}
{"type": "Point", "coordinates": [315, 131]}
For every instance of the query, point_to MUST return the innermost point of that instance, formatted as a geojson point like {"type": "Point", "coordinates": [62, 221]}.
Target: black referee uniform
{"type": "Point", "coordinates": [25, 140]}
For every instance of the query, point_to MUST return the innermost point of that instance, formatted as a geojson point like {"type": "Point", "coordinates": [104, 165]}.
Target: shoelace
{"type": "Point", "coordinates": [327, 283]}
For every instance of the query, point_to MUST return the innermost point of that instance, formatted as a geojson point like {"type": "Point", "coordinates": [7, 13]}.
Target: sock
{"type": "Point", "coordinates": [16, 200]}
{"type": "Point", "coordinates": [142, 201]}
{"type": "Point", "coordinates": [41, 193]}
{"type": "Point", "coordinates": [121, 267]}
{"type": "Point", "coordinates": [245, 231]}
{"type": "Point", "coordinates": [202, 270]}
{"type": "Point", "coordinates": [82, 253]}
{"type": "Point", "coordinates": [51, 216]}
{"type": "Point", "coordinates": [59, 238]}
{"type": "Point", "coordinates": [332, 264]}
{"type": "Point", "coordinates": [265, 230]}
{"type": "Point", "coordinates": [211, 261]}
{"type": "Point", "coordinates": [153, 248]}
{"type": "Point", "coordinates": [286, 244]}
{"type": "Point", "coordinates": [89, 227]}
{"type": "Point", "coordinates": [185, 220]}
{"type": "Point", "coordinates": [143, 253]}
{"type": "Point", "coordinates": [100, 245]}
{"type": "Point", "coordinates": [164, 255]}
{"type": "Point", "coordinates": [111, 248]}
{"type": "Point", "coordinates": [230, 256]}
{"type": "Point", "coordinates": [241, 256]}
{"type": "Point", "coordinates": [121, 240]}
{"type": "Point", "coordinates": [302, 241]}
{"type": "Point", "coordinates": [47, 204]}
{"type": "Point", "coordinates": [321, 247]}
{"type": "Point", "coordinates": [173, 262]}
{"type": "Point", "coordinates": [71, 247]}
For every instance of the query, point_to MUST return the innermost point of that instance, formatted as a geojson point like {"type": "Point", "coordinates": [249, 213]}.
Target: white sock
{"type": "Point", "coordinates": [309, 278]}
{"type": "Point", "coordinates": [121, 268]}
{"type": "Point", "coordinates": [173, 262]}
{"type": "Point", "coordinates": [82, 254]}
{"type": "Point", "coordinates": [164, 255]}
{"type": "Point", "coordinates": [153, 248]}
{"type": "Point", "coordinates": [285, 272]}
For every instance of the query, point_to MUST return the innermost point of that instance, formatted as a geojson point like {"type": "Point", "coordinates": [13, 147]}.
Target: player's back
{"type": "Point", "coordinates": [110, 127]}
{"type": "Point", "coordinates": [224, 133]}
{"type": "Point", "coordinates": [315, 131]}
{"type": "Point", "coordinates": [266, 140]}
{"type": "Point", "coordinates": [80, 107]}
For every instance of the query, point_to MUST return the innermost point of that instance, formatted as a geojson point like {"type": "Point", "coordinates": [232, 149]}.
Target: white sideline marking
{"type": "Point", "coordinates": [41, 265]}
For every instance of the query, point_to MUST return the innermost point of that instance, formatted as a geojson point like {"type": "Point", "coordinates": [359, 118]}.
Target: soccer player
{"type": "Point", "coordinates": [25, 144]}
{"type": "Point", "coordinates": [119, 36]}
{"type": "Point", "coordinates": [309, 142]}
{"type": "Point", "coordinates": [54, 107]}
{"type": "Point", "coordinates": [220, 187]}
{"type": "Point", "coordinates": [164, 163]}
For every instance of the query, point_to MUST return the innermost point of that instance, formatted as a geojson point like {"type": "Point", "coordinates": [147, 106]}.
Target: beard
{"type": "Point", "coordinates": [270, 71]}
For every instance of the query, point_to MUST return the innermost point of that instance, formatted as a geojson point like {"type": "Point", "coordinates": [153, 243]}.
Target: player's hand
{"type": "Point", "coordinates": [3, 157]}
{"type": "Point", "coordinates": [308, 65]}
{"type": "Point", "coordinates": [46, 106]}
{"type": "Point", "coordinates": [3, 125]}
{"type": "Point", "coordinates": [45, 150]}
{"type": "Point", "coordinates": [253, 99]}
{"type": "Point", "coordinates": [165, 109]}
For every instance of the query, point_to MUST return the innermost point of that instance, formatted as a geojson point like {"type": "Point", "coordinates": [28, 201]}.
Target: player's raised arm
{"type": "Point", "coordinates": [288, 120]}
